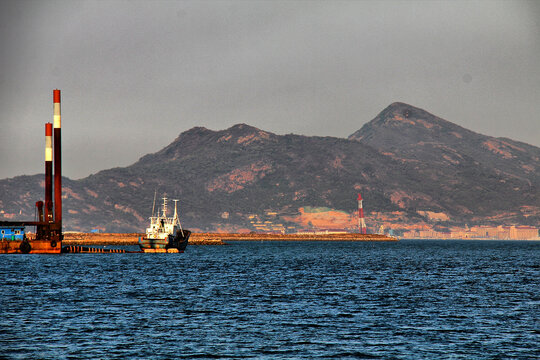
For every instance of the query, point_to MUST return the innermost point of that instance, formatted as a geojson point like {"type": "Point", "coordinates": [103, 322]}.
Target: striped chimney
{"type": "Point", "coordinates": [57, 161]}
{"type": "Point", "coordinates": [361, 222]}
{"type": "Point", "coordinates": [48, 172]}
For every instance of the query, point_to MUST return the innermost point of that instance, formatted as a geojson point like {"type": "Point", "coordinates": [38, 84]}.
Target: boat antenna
{"type": "Point", "coordinates": [154, 204]}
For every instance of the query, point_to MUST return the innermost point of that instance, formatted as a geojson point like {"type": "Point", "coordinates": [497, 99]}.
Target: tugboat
{"type": "Point", "coordinates": [165, 234]}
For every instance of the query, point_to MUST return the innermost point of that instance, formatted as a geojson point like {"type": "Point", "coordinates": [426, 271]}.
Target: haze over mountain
{"type": "Point", "coordinates": [409, 165]}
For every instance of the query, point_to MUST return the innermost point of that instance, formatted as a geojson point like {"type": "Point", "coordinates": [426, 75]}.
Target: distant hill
{"type": "Point", "coordinates": [407, 163]}
{"type": "Point", "coordinates": [472, 177]}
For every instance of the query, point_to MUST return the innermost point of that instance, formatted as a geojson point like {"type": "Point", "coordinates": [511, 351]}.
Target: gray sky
{"type": "Point", "coordinates": [135, 74]}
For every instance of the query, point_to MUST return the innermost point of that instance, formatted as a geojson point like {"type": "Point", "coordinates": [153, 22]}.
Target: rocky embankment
{"type": "Point", "coordinates": [217, 238]}
{"type": "Point", "coordinates": [296, 237]}
{"type": "Point", "coordinates": [126, 239]}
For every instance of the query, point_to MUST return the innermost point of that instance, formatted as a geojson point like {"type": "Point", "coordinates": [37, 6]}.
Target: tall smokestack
{"type": "Point", "coordinates": [361, 222]}
{"type": "Point", "coordinates": [57, 161]}
{"type": "Point", "coordinates": [48, 173]}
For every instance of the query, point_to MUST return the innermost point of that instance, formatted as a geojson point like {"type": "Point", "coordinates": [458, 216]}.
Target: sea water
{"type": "Point", "coordinates": [277, 300]}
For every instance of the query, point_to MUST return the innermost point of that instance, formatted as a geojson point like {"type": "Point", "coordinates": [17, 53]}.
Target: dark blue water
{"type": "Point", "coordinates": [406, 300]}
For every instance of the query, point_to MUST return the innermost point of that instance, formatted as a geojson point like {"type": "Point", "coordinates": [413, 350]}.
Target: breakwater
{"type": "Point", "coordinates": [295, 237]}
{"type": "Point", "coordinates": [126, 239]}
{"type": "Point", "coordinates": [217, 238]}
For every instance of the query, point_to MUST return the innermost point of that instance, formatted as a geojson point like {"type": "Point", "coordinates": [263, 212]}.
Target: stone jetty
{"type": "Point", "coordinates": [217, 238]}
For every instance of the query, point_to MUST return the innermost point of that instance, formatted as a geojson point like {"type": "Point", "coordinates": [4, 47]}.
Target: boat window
{"type": "Point", "coordinates": [17, 232]}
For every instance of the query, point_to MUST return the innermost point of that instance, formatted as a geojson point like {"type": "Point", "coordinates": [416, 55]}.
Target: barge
{"type": "Point", "coordinates": [47, 238]}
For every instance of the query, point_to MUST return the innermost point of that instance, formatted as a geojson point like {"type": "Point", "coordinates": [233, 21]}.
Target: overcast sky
{"type": "Point", "coordinates": [135, 74]}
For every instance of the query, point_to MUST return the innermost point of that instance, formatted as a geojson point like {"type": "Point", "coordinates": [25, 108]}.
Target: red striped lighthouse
{"type": "Point", "coordinates": [361, 223]}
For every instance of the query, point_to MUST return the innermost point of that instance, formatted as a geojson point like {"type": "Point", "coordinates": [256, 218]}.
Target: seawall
{"type": "Point", "coordinates": [295, 237]}
{"type": "Point", "coordinates": [217, 238]}
{"type": "Point", "coordinates": [124, 239]}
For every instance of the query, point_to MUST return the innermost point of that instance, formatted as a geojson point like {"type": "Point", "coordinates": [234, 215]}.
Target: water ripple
{"type": "Point", "coordinates": [406, 300]}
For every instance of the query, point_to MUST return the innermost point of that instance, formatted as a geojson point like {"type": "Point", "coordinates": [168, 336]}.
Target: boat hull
{"type": "Point", "coordinates": [35, 246]}
{"type": "Point", "coordinates": [178, 242]}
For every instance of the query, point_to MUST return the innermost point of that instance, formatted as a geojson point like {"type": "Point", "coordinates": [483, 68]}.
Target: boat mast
{"type": "Point", "coordinates": [154, 203]}
{"type": "Point", "coordinates": [164, 207]}
{"type": "Point", "coordinates": [176, 219]}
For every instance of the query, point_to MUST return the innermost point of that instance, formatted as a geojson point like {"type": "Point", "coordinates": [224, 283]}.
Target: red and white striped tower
{"type": "Point", "coordinates": [48, 173]}
{"type": "Point", "coordinates": [57, 161]}
{"type": "Point", "coordinates": [361, 222]}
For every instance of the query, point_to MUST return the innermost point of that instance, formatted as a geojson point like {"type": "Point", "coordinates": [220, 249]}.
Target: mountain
{"type": "Point", "coordinates": [410, 166]}
{"type": "Point", "coordinates": [462, 171]}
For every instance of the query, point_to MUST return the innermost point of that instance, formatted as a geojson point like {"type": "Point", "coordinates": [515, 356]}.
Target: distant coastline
{"type": "Point", "coordinates": [478, 233]}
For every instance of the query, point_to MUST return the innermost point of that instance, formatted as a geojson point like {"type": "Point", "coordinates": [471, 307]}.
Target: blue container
{"type": "Point", "coordinates": [12, 232]}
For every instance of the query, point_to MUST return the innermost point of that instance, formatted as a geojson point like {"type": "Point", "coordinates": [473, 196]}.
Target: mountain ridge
{"type": "Point", "coordinates": [405, 162]}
